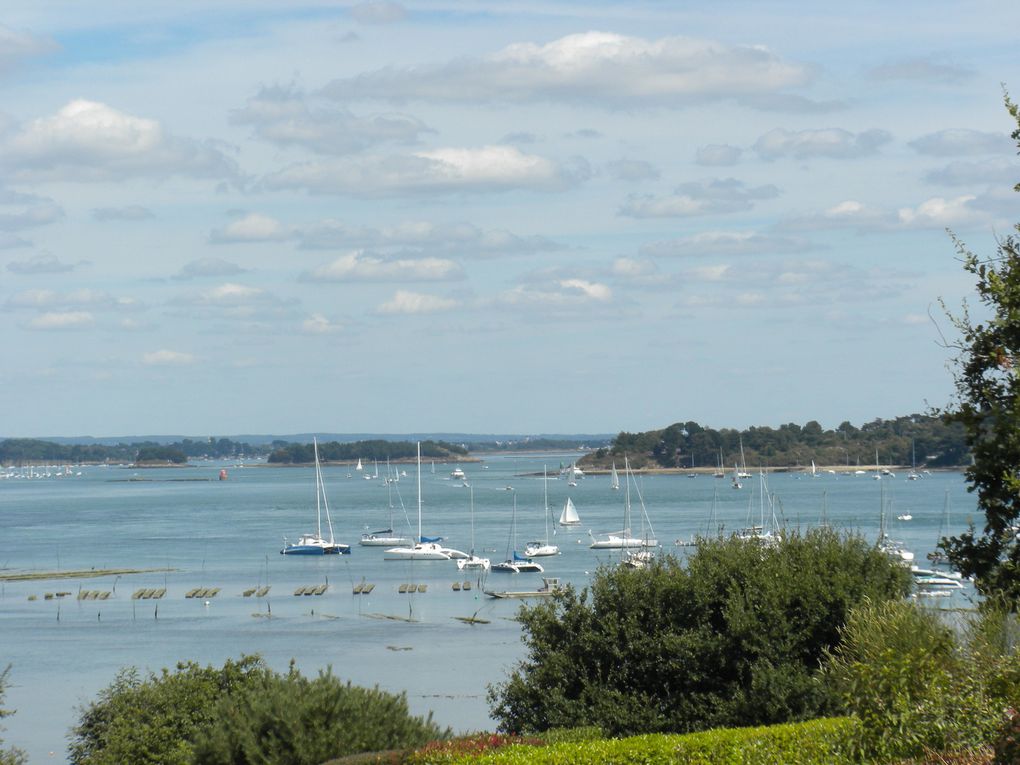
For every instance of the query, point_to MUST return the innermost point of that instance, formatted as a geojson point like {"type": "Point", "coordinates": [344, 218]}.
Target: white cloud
{"type": "Point", "coordinates": [57, 320]}
{"type": "Point", "coordinates": [405, 302]}
{"type": "Point", "coordinates": [718, 155]}
{"type": "Point", "coordinates": [286, 116]}
{"type": "Point", "coordinates": [631, 170]}
{"type": "Point", "coordinates": [929, 69]}
{"type": "Point", "coordinates": [725, 243]}
{"type": "Point", "coordinates": [850, 214]}
{"type": "Point", "coordinates": [359, 266]}
{"type": "Point", "coordinates": [633, 268]}
{"type": "Point", "coordinates": [40, 264]}
{"type": "Point", "coordinates": [76, 299]}
{"type": "Point", "coordinates": [230, 293]}
{"type": "Point", "coordinates": [128, 213]}
{"type": "Point", "coordinates": [206, 267]}
{"type": "Point", "coordinates": [253, 227]}
{"type": "Point", "coordinates": [959, 142]}
{"type": "Point", "coordinates": [833, 143]}
{"type": "Point", "coordinates": [378, 12]}
{"type": "Point", "coordinates": [90, 141]}
{"type": "Point", "coordinates": [19, 211]}
{"type": "Point", "coordinates": [992, 172]}
{"type": "Point", "coordinates": [938, 212]}
{"type": "Point", "coordinates": [561, 293]}
{"type": "Point", "coordinates": [317, 324]}
{"type": "Point", "coordinates": [168, 358]}
{"type": "Point", "coordinates": [10, 241]}
{"type": "Point", "coordinates": [713, 197]}
{"type": "Point", "coordinates": [16, 45]}
{"type": "Point", "coordinates": [603, 68]}
{"type": "Point", "coordinates": [423, 236]}
{"type": "Point", "coordinates": [485, 169]}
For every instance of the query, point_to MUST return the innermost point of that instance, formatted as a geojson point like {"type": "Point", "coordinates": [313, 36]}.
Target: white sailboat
{"type": "Point", "coordinates": [473, 562]}
{"type": "Point", "coordinates": [719, 472]}
{"type": "Point", "coordinates": [893, 549]}
{"type": "Point", "coordinates": [743, 464]}
{"type": "Point", "coordinates": [569, 516]}
{"type": "Point", "coordinates": [426, 548]}
{"type": "Point", "coordinates": [765, 531]}
{"type": "Point", "coordinates": [541, 549]}
{"type": "Point", "coordinates": [359, 468]}
{"type": "Point", "coordinates": [614, 481]}
{"type": "Point", "coordinates": [386, 537]}
{"type": "Point", "coordinates": [618, 540]}
{"type": "Point", "coordinates": [913, 474]}
{"type": "Point", "coordinates": [515, 563]}
{"type": "Point", "coordinates": [315, 544]}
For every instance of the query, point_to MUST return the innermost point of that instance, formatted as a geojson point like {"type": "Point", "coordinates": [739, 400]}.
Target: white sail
{"type": "Point", "coordinates": [615, 481]}
{"type": "Point", "coordinates": [359, 467]}
{"type": "Point", "coordinates": [569, 516]}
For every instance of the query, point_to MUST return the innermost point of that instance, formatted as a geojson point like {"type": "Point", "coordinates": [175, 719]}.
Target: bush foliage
{"type": "Point", "coordinates": [734, 637]}
{"type": "Point", "coordinates": [10, 756]}
{"type": "Point", "coordinates": [293, 720]}
{"type": "Point", "coordinates": [918, 685]}
{"type": "Point", "coordinates": [243, 713]}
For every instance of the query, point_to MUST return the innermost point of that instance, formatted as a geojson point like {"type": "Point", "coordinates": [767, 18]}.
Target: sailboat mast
{"type": "Point", "coordinates": [472, 490]}
{"type": "Point", "coordinates": [545, 481]}
{"type": "Point", "coordinates": [419, 492]}
{"type": "Point", "coordinates": [318, 490]}
{"type": "Point", "coordinates": [626, 504]}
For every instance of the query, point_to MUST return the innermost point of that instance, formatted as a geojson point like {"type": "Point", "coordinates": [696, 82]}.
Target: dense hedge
{"type": "Point", "coordinates": [733, 636]}
{"type": "Point", "coordinates": [817, 742]}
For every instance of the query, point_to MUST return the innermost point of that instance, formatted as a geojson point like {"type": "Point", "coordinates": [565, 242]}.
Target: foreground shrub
{"type": "Point", "coordinates": [9, 756]}
{"type": "Point", "coordinates": [918, 686]}
{"type": "Point", "coordinates": [1007, 740]}
{"type": "Point", "coordinates": [154, 720]}
{"type": "Point", "coordinates": [293, 720]}
{"type": "Point", "coordinates": [735, 637]}
{"type": "Point", "coordinates": [817, 742]}
{"type": "Point", "coordinates": [243, 713]}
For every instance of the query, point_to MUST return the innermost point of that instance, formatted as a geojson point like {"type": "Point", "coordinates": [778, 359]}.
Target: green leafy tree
{"type": "Point", "coordinates": [987, 380]}
{"type": "Point", "coordinates": [9, 756]}
{"type": "Point", "coordinates": [293, 720]}
{"type": "Point", "coordinates": [154, 719]}
{"type": "Point", "coordinates": [734, 637]}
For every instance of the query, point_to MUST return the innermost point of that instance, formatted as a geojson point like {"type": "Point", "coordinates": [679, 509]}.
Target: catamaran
{"type": "Point", "coordinates": [314, 544]}
{"type": "Point", "coordinates": [516, 563]}
{"type": "Point", "coordinates": [387, 537]}
{"type": "Point", "coordinates": [426, 548]}
{"type": "Point", "coordinates": [473, 562]}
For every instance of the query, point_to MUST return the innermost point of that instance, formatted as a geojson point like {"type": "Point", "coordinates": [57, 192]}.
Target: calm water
{"type": "Point", "coordinates": [228, 535]}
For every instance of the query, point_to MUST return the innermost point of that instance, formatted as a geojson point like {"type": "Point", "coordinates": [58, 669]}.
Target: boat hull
{"type": "Point", "coordinates": [316, 550]}
{"type": "Point", "coordinates": [423, 551]}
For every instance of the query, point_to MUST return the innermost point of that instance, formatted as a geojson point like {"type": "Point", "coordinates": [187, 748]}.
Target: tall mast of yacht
{"type": "Point", "coordinates": [318, 483]}
{"type": "Point", "coordinates": [418, 541]}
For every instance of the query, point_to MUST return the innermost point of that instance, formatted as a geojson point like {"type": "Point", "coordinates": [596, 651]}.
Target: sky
{"type": "Point", "coordinates": [519, 217]}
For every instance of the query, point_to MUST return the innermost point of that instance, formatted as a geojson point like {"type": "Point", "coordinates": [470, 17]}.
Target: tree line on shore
{"type": "Point", "coordinates": [369, 451]}
{"type": "Point", "coordinates": [928, 441]}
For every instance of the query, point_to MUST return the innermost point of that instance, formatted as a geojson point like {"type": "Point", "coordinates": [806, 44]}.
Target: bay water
{"type": "Point", "coordinates": [202, 532]}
